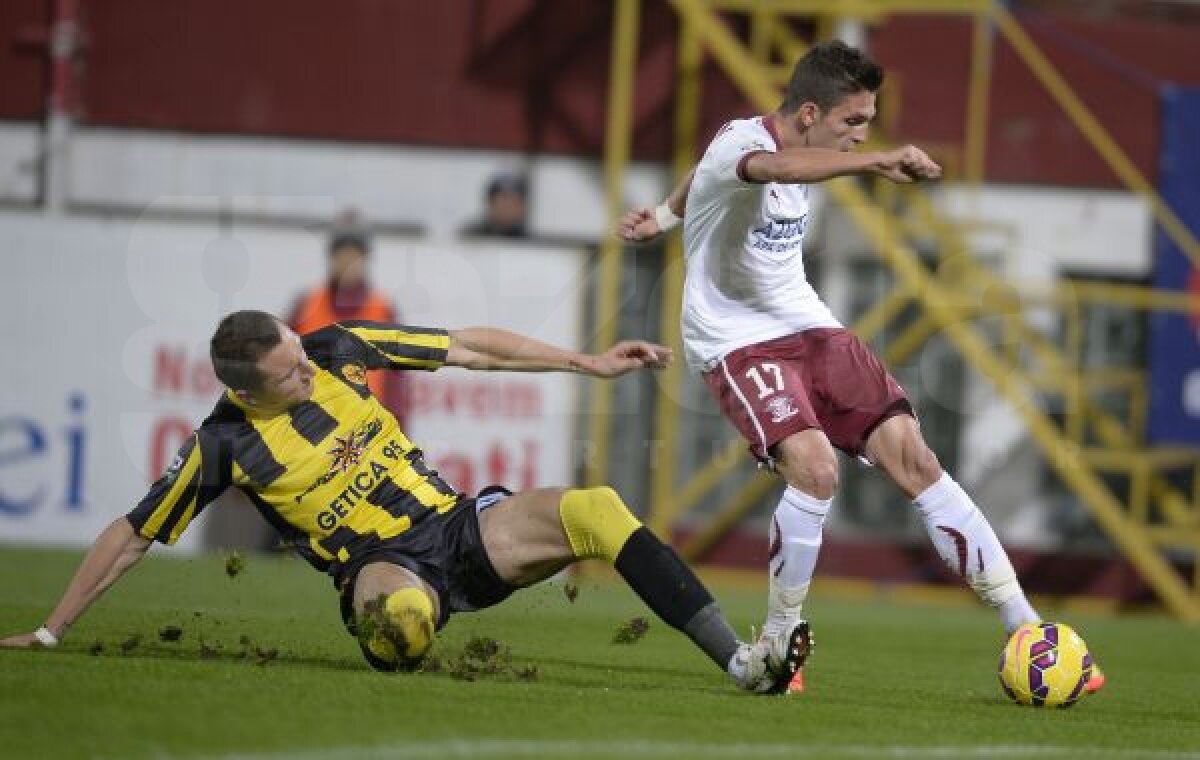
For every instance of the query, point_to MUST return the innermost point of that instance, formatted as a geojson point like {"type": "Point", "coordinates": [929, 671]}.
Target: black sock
{"type": "Point", "coordinates": [669, 587]}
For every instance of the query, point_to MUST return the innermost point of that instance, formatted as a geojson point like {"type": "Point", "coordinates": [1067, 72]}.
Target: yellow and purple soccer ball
{"type": "Point", "coordinates": [1045, 665]}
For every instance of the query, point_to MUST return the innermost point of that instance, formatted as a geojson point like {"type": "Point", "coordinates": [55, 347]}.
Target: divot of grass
{"type": "Point", "coordinates": [247, 645]}
{"type": "Point", "coordinates": [631, 631]}
{"type": "Point", "coordinates": [528, 673]}
{"type": "Point", "coordinates": [482, 657]}
{"type": "Point", "coordinates": [131, 643]}
{"type": "Point", "coordinates": [235, 564]}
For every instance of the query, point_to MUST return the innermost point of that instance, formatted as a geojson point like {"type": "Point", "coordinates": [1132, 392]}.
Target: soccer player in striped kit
{"type": "Point", "coordinates": [300, 433]}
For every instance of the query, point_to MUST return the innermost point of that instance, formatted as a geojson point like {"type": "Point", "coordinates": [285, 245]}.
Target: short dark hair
{"type": "Point", "coordinates": [349, 239]}
{"type": "Point", "coordinates": [506, 182]}
{"type": "Point", "coordinates": [829, 72]}
{"type": "Point", "coordinates": [241, 339]}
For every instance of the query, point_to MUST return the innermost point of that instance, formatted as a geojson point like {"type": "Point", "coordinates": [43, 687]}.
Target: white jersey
{"type": "Point", "coordinates": [743, 242]}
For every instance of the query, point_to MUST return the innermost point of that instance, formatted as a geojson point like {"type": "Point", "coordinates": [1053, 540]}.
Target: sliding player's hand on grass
{"type": "Point", "coordinates": [19, 641]}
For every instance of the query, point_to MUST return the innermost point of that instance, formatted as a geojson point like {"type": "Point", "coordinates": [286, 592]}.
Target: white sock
{"type": "Point", "coordinates": [967, 544]}
{"type": "Point", "coordinates": [795, 536]}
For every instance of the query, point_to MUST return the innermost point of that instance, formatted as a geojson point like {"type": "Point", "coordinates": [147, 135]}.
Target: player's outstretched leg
{"type": "Point", "coordinates": [959, 531]}
{"type": "Point", "coordinates": [535, 533]}
{"type": "Point", "coordinates": [599, 525]}
{"type": "Point", "coordinates": [967, 544]}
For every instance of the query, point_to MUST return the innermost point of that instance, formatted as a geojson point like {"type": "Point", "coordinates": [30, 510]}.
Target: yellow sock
{"type": "Point", "coordinates": [597, 522]}
{"type": "Point", "coordinates": [404, 622]}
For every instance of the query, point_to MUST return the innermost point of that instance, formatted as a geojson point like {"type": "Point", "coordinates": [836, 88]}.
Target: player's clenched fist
{"type": "Point", "coordinates": [638, 226]}
{"type": "Point", "coordinates": [908, 164]}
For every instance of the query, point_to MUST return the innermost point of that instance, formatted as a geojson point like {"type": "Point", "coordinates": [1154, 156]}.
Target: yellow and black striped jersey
{"type": "Point", "coordinates": [335, 475]}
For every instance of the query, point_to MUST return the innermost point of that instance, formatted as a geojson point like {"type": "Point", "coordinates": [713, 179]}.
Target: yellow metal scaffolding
{"type": "Point", "coordinates": [618, 137]}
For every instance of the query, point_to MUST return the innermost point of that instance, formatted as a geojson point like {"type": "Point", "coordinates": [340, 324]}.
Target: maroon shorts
{"type": "Point", "coordinates": [824, 378]}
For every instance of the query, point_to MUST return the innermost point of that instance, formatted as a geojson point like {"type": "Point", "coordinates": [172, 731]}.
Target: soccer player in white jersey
{"type": "Point", "coordinates": [792, 380]}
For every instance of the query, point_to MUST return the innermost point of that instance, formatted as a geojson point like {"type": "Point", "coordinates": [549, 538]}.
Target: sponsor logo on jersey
{"type": "Point", "coordinates": [781, 408]}
{"type": "Point", "coordinates": [357, 488]}
{"type": "Point", "coordinates": [782, 229]}
{"type": "Point", "coordinates": [780, 235]}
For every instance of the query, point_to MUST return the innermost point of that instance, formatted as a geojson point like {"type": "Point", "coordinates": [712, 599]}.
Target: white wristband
{"type": "Point", "coordinates": [47, 638]}
{"type": "Point", "coordinates": [665, 217]}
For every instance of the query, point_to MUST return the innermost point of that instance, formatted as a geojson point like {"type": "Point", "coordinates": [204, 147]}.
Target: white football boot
{"type": "Point", "coordinates": [772, 662]}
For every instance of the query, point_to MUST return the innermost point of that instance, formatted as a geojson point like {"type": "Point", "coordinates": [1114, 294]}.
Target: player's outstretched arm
{"type": "Point", "coordinates": [116, 549]}
{"type": "Point", "coordinates": [644, 224]}
{"type": "Point", "coordinates": [488, 348]}
{"type": "Point", "coordinates": [807, 165]}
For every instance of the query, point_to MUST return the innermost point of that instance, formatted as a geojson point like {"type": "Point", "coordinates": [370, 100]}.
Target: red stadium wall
{"type": "Point", "coordinates": [24, 73]}
{"type": "Point", "coordinates": [505, 74]}
{"type": "Point", "coordinates": [530, 75]}
{"type": "Point", "coordinates": [1114, 66]}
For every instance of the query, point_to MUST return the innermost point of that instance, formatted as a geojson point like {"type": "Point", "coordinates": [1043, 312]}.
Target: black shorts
{"type": "Point", "coordinates": [446, 551]}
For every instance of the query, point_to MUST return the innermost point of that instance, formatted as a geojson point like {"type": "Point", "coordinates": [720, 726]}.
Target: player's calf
{"type": "Point", "coordinates": [599, 525]}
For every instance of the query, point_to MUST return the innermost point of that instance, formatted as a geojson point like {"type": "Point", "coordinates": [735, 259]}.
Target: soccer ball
{"type": "Point", "coordinates": [1045, 665]}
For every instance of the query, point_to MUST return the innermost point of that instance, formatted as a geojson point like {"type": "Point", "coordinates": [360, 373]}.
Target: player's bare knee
{"type": "Point", "coordinates": [823, 477]}
{"type": "Point", "coordinates": [815, 475]}
{"type": "Point", "coordinates": [808, 462]}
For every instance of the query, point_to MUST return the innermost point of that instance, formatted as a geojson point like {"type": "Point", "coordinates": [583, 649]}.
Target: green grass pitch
{"type": "Point", "coordinates": [887, 680]}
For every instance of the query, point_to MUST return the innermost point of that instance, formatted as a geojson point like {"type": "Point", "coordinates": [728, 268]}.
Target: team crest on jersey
{"type": "Point", "coordinates": [347, 453]}
{"type": "Point", "coordinates": [781, 408]}
{"type": "Point", "coordinates": [355, 373]}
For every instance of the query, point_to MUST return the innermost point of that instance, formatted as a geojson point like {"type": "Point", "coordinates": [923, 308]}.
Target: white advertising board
{"type": "Point", "coordinates": [105, 369]}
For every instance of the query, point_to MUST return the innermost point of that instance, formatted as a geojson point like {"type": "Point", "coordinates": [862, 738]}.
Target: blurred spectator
{"type": "Point", "coordinates": [347, 294]}
{"type": "Point", "coordinates": [506, 209]}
